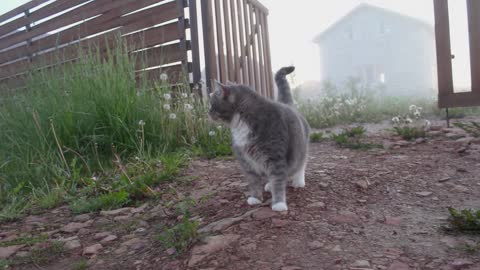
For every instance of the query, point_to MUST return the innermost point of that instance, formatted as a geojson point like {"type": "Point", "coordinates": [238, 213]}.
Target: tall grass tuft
{"type": "Point", "coordinates": [72, 121]}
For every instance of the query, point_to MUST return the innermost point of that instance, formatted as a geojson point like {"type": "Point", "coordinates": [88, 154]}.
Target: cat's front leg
{"type": "Point", "coordinates": [255, 188]}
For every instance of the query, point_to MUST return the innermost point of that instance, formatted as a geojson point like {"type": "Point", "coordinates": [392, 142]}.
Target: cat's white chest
{"type": "Point", "coordinates": [240, 132]}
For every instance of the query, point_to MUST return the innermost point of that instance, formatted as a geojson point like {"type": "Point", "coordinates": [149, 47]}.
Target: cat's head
{"type": "Point", "coordinates": [225, 100]}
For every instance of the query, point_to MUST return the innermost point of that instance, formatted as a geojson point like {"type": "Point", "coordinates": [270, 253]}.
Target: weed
{"type": "Point", "coordinates": [4, 264]}
{"type": "Point", "coordinates": [466, 220]}
{"type": "Point", "coordinates": [473, 128]}
{"type": "Point", "coordinates": [352, 138]}
{"type": "Point", "coordinates": [470, 248]}
{"type": "Point", "coordinates": [81, 265]}
{"type": "Point", "coordinates": [181, 236]}
{"type": "Point", "coordinates": [410, 132]}
{"type": "Point", "coordinates": [25, 240]}
{"type": "Point", "coordinates": [107, 201]}
{"type": "Point", "coordinates": [48, 252]}
{"type": "Point", "coordinates": [13, 209]}
{"type": "Point", "coordinates": [317, 137]}
{"type": "Point", "coordinates": [48, 199]}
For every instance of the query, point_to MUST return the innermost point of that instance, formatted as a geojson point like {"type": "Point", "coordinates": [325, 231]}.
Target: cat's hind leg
{"type": "Point", "coordinates": [278, 183]}
{"type": "Point", "coordinates": [298, 179]}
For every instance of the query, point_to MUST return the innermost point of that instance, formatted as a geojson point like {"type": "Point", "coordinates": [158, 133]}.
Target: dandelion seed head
{"type": "Point", "coordinates": [184, 95]}
{"type": "Point", "coordinates": [172, 116]}
{"type": "Point", "coordinates": [163, 77]}
{"type": "Point", "coordinates": [141, 123]}
{"type": "Point", "coordinates": [166, 107]}
{"type": "Point", "coordinates": [188, 107]}
{"type": "Point", "coordinates": [211, 133]}
{"type": "Point", "coordinates": [167, 96]}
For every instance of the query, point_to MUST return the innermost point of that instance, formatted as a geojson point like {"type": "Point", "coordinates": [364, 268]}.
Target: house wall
{"type": "Point", "coordinates": [371, 42]}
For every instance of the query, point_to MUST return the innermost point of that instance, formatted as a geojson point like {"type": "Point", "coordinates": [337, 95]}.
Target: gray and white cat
{"type": "Point", "coordinates": [270, 139]}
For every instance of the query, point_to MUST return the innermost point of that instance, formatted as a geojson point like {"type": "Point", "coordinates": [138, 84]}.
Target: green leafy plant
{"type": "Point", "coordinates": [317, 137]}
{"type": "Point", "coordinates": [410, 133]}
{"type": "Point", "coordinates": [25, 240]}
{"type": "Point", "coordinates": [472, 128]}
{"type": "Point", "coordinates": [466, 220]}
{"type": "Point", "coordinates": [107, 201]}
{"type": "Point", "coordinates": [181, 236]}
{"type": "Point", "coordinates": [352, 138]}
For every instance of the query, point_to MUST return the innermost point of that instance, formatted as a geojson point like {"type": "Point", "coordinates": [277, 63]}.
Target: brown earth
{"type": "Point", "coordinates": [377, 209]}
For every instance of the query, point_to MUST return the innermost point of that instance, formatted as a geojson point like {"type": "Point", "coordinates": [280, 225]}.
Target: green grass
{"type": "Point", "coordinates": [317, 137]}
{"type": "Point", "coordinates": [410, 132]}
{"type": "Point", "coordinates": [352, 138]}
{"type": "Point", "coordinates": [81, 265]}
{"type": "Point", "coordinates": [465, 221]}
{"type": "Point", "coordinates": [472, 128]}
{"type": "Point", "coordinates": [181, 236]}
{"type": "Point", "coordinates": [25, 240]}
{"type": "Point", "coordinates": [93, 120]}
{"type": "Point", "coordinates": [49, 252]}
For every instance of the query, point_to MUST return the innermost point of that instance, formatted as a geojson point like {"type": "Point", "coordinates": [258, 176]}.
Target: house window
{"type": "Point", "coordinates": [382, 77]}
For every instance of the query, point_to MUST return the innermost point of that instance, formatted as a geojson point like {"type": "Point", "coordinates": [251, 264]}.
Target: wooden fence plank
{"type": "Point", "coordinates": [236, 62]}
{"type": "Point", "coordinates": [21, 9]}
{"type": "Point", "coordinates": [261, 62]}
{"type": "Point", "coordinates": [221, 55]}
{"type": "Point", "coordinates": [268, 64]}
{"type": "Point", "coordinates": [243, 61]}
{"type": "Point", "coordinates": [228, 41]}
{"type": "Point", "coordinates": [158, 56]}
{"type": "Point", "coordinates": [249, 62]}
{"type": "Point", "coordinates": [211, 70]}
{"type": "Point", "coordinates": [254, 49]}
{"type": "Point", "coordinates": [44, 12]}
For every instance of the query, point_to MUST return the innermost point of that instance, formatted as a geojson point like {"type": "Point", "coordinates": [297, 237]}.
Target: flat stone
{"type": "Point", "coordinates": [92, 250]}
{"type": "Point", "coordinates": [73, 244]}
{"type": "Point", "coordinates": [195, 259]}
{"type": "Point", "coordinates": [122, 218]}
{"type": "Point", "coordinates": [225, 223]}
{"type": "Point", "coordinates": [394, 221]}
{"type": "Point", "coordinates": [101, 235]}
{"type": "Point", "coordinates": [444, 179]}
{"type": "Point", "coordinates": [264, 213]}
{"type": "Point", "coordinates": [323, 185]}
{"type": "Point", "coordinates": [139, 209]}
{"type": "Point", "coordinates": [116, 212]}
{"type": "Point", "coordinates": [215, 244]}
{"type": "Point", "coordinates": [397, 265]}
{"type": "Point", "coordinates": [345, 218]}
{"type": "Point", "coordinates": [135, 243]}
{"type": "Point", "coordinates": [316, 205]}
{"type": "Point", "coordinates": [171, 251]}
{"type": "Point", "coordinates": [461, 188]}
{"type": "Point", "coordinates": [362, 264]}
{"type": "Point", "coordinates": [362, 184]}
{"type": "Point", "coordinates": [460, 264]}
{"type": "Point", "coordinates": [279, 223]}
{"type": "Point", "coordinates": [6, 252]}
{"type": "Point", "coordinates": [424, 193]}
{"type": "Point", "coordinates": [315, 245]}
{"type": "Point", "coordinates": [74, 227]}
{"type": "Point", "coordinates": [82, 218]}
{"type": "Point", "coordinates": [109, 238]}
{"type": "Point", "coordinates": [291, 268]}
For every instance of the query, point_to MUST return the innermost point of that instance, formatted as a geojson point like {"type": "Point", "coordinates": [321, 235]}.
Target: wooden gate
{"type": "Point", "coordinates": [236, 43]}
{"type": "Point", "coordinates": [447, 98]}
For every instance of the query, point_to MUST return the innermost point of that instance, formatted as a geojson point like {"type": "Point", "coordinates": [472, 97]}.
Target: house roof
{"type": "Point", "coordinates": [363, 7]}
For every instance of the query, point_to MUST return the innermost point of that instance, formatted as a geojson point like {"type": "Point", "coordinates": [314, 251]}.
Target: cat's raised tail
{"type": "Point", "coordinates": [284, 91]}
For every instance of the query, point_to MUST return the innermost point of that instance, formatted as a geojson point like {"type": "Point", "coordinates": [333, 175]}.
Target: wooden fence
{"type": "Point", "coordinates": [38, 32]}
{"type": "Point", "coordinates": [165, 32]}
{"type": "Point", "coordinates": [236, 42]}
{"type": "Point", "coordinates": [447, 98]}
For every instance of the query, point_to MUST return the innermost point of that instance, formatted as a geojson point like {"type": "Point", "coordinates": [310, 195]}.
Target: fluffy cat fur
{"type": "Point", "coordinates": [270, 138]}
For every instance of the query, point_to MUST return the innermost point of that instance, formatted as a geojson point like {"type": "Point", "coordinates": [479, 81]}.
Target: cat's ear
{"type": "Point", "coordinates": [222, 90]}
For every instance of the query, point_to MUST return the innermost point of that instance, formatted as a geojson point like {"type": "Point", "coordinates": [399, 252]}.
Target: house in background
{"type": "Point", "coordinates": [380, 48]}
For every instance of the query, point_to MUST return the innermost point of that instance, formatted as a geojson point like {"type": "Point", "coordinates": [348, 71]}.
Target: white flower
{"type": "Point", "coordinates": [219, 127]}
{"type": "Point", "coordinates": [188, 107]}
{"type": "Point", "coordinates": [166, 107]}
{"type": "Point", "coordinates": [141, 123]}
{"type": "Point", "coordinates": [172, 116]}
{"type": "Point", "coordinates": [408, 120]}
{"type": "Point", "coordinates": [167, 96]}
{"type": "Point", "coordinates": [137, 158]}
{"type": "Point", "coordinates": [211, 133]}
{"type": "Point", "coordinates": [163, 77]}
{"type": "Point", "coordinates": [412, 107]}
{"type": "Point", "coordinates": [94, 178]}
{"type": "Point", "coordinates": [416, 113]}
{"type": "Point", "coordinates": [427, 123]}
{"type": "Point", "coordinates": [396, 119]}
{"type": "Point", "coordinates": [184, 95]}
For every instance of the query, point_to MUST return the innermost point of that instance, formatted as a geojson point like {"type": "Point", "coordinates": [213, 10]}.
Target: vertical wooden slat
{"type": "Point", "coordinates": [244, 62]}
{"type": "Point", "coordinates": [228, 41]}
{"type": "Point", "coordinates": [474, 34]}
{"type": "Point", "coordinates": [261, 64]}
{"type": "Point", "coordinates": [181, 28]}
{"type": "Point", "coordinates": [265, 56]}
{"type": "Point", "coordinates": [444, 59]}
{"type": "Point", "coordinates": [197, 73]}
{"type": "Point", "coordinates": [236, 58]}
{"type": "Point", "coordinates": [254, 48]}
{"type": "Point", "coordinates": [249, 59]}
{"type": "Point", "coordinates": [268, 56]}
{"type": "Point", "coordinates": [209, 43]}
{"type": "Point", "coordinates": [220, 45]}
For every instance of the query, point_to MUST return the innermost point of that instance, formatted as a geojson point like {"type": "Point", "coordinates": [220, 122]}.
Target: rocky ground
{"type": "Point", "coordinates": [377, 209]}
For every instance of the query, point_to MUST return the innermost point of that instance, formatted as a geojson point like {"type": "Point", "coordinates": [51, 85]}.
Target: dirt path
{"type": "Point", "coordinates": [380, 209]}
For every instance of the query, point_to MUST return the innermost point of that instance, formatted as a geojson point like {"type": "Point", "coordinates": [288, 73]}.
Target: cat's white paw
{"type": "Point", "coordinates": [253, 201]}
{"type": "Point", "coordinates": [279, 207]}
{"type": "Point", "coordinates": [298, 184]}
{"type": "Point", "coordinates": [268, 187]}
